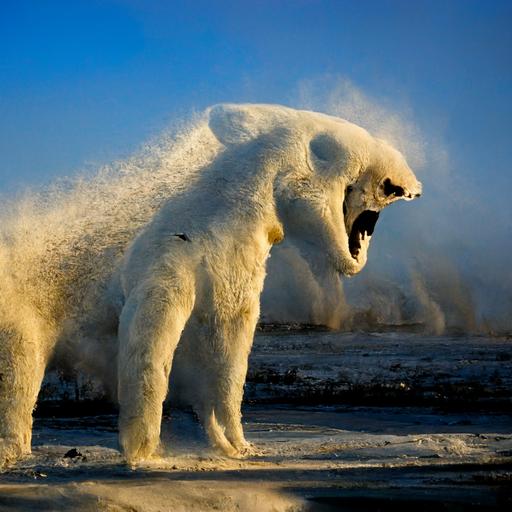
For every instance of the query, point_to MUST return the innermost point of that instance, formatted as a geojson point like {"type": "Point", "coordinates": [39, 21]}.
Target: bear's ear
{"type": "Point", "coordinates": [325, 152]}
{"type": "Point", "coordinates": [233, 124]}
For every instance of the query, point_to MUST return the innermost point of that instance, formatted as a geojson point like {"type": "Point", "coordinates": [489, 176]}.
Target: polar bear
{"type": "Point", "coordinates": [187, 268]}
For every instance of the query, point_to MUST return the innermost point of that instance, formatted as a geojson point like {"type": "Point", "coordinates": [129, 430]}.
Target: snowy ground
{"type": "Point", "coordinates": [437, 439]}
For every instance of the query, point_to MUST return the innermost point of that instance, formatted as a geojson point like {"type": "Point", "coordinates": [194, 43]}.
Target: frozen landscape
{"type": "Point", "coordinates": [341, 421]}
{"type": "Point", "coordinates": [147, 228]}
{"type": "Point", "coordinates": [383, 416]}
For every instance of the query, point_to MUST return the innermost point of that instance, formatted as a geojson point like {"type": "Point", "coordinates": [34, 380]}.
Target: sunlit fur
{"type": "Point", "coordinates": [176, 250]}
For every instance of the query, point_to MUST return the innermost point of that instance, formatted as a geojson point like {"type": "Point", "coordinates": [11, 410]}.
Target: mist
{"type": "Point", "coordinates": [438, 265]}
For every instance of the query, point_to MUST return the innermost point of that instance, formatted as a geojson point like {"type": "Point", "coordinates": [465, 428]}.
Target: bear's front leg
{"type": "Point", "coordinates": [150, 327]}
{"type": "Point", "coordinates": [228, 371]}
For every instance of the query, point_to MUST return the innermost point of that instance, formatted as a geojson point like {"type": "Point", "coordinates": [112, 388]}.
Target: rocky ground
{"type": "Point", "coordinates": [350, 422]}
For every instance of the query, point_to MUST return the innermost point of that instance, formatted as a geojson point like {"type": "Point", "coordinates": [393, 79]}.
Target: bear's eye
{"type": "Point", "coordinates": [390, 189]}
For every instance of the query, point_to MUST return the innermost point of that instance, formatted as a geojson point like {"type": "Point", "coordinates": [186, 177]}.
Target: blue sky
{"type": "Point", "coordinates": [85, 82]}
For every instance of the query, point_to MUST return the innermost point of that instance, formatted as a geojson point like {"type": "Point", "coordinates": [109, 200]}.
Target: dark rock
{"type": "Point", "coordinates": [71, 454]}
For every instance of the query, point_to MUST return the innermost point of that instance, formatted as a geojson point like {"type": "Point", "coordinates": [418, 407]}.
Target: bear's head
{"type": "Point", "coordinates": [332, 178]}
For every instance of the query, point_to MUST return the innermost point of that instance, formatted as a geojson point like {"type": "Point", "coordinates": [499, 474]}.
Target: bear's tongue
{"type": "Point", "coordinates": [362, 227]}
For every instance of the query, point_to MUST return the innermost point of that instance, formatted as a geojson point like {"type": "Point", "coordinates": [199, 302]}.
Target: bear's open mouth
{"type": "Point", "coordinates": [362, 227]}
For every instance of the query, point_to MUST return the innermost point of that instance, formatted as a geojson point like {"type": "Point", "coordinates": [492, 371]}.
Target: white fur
{"type": "Point", "coordinates": [178, 256]}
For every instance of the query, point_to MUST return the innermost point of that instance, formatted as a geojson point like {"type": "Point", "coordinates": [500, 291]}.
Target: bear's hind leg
{"type": "Point", "coordinates": [150, 327]}
{"type": "Point", "coordinates": [22, 364]}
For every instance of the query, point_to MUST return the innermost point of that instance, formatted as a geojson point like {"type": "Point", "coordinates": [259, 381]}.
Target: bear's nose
{"type": "Point", "coordinates": [417, 190]}
{"type": "Point", "coordinates": [414, 192]}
